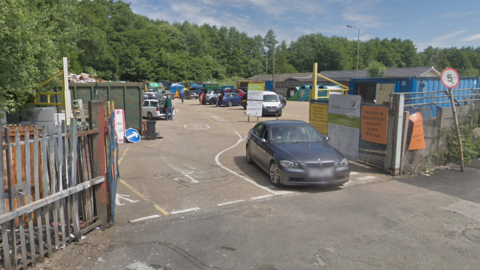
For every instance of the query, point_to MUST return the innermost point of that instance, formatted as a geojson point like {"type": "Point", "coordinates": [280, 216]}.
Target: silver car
{"type": "Point", "coordinates": [294, 153]}
{"type": "Point", "coordinates": [154, 108]}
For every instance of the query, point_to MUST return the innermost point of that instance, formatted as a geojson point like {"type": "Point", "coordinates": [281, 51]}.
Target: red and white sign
{"type": "Point", "coordinates": [450, 78]}
{"type": "Point", "coordinates": [120, 125]}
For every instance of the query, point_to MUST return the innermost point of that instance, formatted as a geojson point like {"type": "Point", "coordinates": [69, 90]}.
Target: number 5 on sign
{"type": "Point", "coordinates": [450, 78]}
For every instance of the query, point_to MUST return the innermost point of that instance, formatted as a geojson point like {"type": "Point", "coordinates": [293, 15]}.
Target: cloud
{"type": "Point", "coordinates": [444, 41]}
{"type": "Point", "coordinates": [457, 14]}
{"type": "Point", "coordinates": [471, 38]}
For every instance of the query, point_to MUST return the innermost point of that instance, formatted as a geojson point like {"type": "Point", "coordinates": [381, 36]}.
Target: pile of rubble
{"type": "Point", "coordinates": [82, 78]}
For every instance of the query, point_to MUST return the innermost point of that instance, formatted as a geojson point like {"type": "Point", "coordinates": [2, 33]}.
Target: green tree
{"type": "Point", "coordinates": [34, 36]}
{"type": "Point", "coordinates": [376, 69]}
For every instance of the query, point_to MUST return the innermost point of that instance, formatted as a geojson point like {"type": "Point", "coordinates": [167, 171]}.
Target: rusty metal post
{"type": "Point", "coordinates": [457, 126]}
{"type": "Point", "coordinates": [97, 120]}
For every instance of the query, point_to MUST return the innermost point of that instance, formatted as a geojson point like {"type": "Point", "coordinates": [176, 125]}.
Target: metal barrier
{"type": "Point", "coordinates": [436, 113]}
{"type": "Point", "coordinates": [46, 194]}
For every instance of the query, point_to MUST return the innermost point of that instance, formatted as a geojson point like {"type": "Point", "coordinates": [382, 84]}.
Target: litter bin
{"type": "Point", "coordinates": [151, 132]}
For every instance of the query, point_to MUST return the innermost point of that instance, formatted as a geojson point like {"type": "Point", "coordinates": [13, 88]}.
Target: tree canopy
{"type": "Point", "coordinates": [106, 39]}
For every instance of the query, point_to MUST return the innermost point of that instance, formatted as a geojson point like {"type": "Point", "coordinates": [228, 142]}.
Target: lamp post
{"type": "Point", "coordinates": [358, 48]}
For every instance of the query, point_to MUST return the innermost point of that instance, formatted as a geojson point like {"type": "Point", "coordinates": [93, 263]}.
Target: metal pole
{"type": "Point", "coordinates": [273, 72]}
{"type": "Point", "coordinates": [459, 135]}
{"type": "Point", "coordinates": [168, 57]}
{"type": "Point", "coordinates": [358, 49]}
{"type": "Point", "coordinates": [266, 65]}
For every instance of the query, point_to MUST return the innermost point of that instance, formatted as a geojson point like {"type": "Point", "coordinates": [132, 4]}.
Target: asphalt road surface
{"type": "Point", "coordinates": [201, 206]}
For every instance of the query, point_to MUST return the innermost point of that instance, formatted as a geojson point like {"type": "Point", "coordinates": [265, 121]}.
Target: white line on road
{"type": "Point", "coordinates": [184, 172]}
{"type": "Point", "coordinates": [366, 178]}
{"type": "Point", "coordinates": [185, 211]}
{"type": "Point", "coordinates": [144, 218]}
{"type": "Point", "coordinates": [232, 202]}
{"type": "Point", "coordinates": [193, 180]}
{"type": "Point", "coordinates": [121, 196]}
{"type": "Point", "coordinates": [261, 197]}
{"type": "Point", "coordinates": [354, 173]}
{"type": "Point", "coordinates": [235, 173]}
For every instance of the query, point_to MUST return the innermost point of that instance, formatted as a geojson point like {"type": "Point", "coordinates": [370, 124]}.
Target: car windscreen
{"type": "Point", "coordinates": [270, 98]}
{"type": "Point", "coordinates": [295, 134]}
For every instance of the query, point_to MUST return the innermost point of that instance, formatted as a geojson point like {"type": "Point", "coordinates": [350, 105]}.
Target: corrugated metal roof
{"type": "Point", "coordinates": [347, 74]}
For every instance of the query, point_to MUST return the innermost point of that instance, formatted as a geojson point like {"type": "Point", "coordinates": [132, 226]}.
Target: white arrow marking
{"type": "Point", "coordinates": [134, 135]}
{"type": "Point", "coordinates": [120, 196]}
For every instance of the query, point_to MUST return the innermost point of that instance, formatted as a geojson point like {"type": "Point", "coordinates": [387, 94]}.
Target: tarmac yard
{"type": "Point", "coordinates": [200, 163]}
{"type": "Point", "coordinates": [190, 201]}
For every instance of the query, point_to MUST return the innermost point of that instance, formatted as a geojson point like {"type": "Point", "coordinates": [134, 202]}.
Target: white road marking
{"type": "Point", "coordinates": [261, 197]}
{"type": "Point", "coordinates": [196, 126]}
{"type": "Point", "coordinates": [185, 211]}
{"type": "Point", "coordinates": [193, 180]}
{"type": "Point", "coordinates": [285, 192]}
{"type": "Point", "coordinates": [120, 196]}
{"type": "Point", "coordinates": [235, 173]}
{"type": "Point", "coordinates": [232, 202]}
{"type": "Point", "coordinates": [354, 173]}
{"type": "Point", "coordinates": [189, 166]}
{"type": "Point", "coordinates": [217, 118]}
{"type": "Point", "coordinates": [366, 178]}
{"type": "Point", "coordinates": [184, 172]}
{"type": "Point", "coordinates": [144, 218]}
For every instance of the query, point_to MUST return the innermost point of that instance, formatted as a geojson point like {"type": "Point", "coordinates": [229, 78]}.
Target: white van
{"type": "Point", "coordinates": [271, 104]}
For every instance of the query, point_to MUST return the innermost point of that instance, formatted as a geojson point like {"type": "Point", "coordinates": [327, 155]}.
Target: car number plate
{"type": "Point", "coordinates": [328, 172]}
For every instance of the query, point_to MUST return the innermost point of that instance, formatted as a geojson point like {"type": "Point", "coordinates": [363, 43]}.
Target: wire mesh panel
{"type": "Point", "coordinates": [433, 112]}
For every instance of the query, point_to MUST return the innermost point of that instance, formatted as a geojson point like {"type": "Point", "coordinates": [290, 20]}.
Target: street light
{"type": "Point", "coordinates": [358, 42]}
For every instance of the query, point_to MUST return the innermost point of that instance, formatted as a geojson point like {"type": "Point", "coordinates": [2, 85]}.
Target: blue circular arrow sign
{"type": "Point", "coordinates": [132, 135]}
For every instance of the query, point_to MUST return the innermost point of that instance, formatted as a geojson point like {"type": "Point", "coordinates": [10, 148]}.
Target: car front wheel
{"type": "Point", "coordinates": [274, 175]}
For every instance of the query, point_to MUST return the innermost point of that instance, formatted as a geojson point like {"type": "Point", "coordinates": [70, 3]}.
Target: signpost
{"type": "Point", "coordinates": [450, 78]}
{"type": "Point", "coordinates": [255, 100]}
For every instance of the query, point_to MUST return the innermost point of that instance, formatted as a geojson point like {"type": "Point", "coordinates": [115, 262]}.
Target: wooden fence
{"type": "Point", "coordinates": [54, 187]}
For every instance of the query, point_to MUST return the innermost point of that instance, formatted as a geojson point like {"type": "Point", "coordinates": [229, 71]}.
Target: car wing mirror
{"type": "Point", "coordinates": [327, 138]}
{"type": "Point", "coordinates": [263, 140]}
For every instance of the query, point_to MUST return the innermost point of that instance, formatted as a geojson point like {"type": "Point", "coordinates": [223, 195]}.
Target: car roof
{"type": "Point", "coordinates": [151, 99]}
{"type": "Point", "coordinates": [283, 123]}
{"type": "Point", "coordinates": [269, 93]}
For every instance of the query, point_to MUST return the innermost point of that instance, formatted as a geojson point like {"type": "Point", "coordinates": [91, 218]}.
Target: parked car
{"type": "Point", "coordinates": [282, 100]}
{"type": "Point", "coordinates": [230, 99]}
{"type": "Point", "coordinates": [271, 104]}
{"type": "Point", "coordinates": [244, 101]}
{"type": "Point", "coordinates": [189, 94]}
{"type": "Point", "coordinates": [154, 108]}
{"type": "Point", "coordinates": [237, 91]}
{"type": "Point", "coordinates": [294, 153]}
{"type": "Point", "coordinates": [210, 96]}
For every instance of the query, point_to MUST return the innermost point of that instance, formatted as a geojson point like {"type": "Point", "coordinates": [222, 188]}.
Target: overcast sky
{"type": "Point", "coordinates": [438, 23]}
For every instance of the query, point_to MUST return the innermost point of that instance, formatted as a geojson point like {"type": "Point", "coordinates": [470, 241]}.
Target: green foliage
{"type": "Point", "coordinates": [376, 69]}
{"type": "Point", "coordinates": [34, 36]}
{"type": "Point", "coordinates": [470, 143]}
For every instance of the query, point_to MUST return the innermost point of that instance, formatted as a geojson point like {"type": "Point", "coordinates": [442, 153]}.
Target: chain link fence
{"type": "Point", "coordinates": [438, 127]}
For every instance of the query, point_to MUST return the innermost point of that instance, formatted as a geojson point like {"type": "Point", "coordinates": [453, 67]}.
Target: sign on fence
{"type": "Point", "coordinates": [417, 137]}
{"type": "Point", "coordinates": [344, 124]}
{"type": "Point", "coordinates": [374, 124]}
{"type": "Point", "coordinates": [319, 117]}
{"type": "Point", "coordinates": [120, 125]}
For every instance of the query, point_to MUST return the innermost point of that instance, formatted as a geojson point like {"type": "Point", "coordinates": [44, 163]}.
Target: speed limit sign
{"type": "Point", "coordinates": [450, 78]}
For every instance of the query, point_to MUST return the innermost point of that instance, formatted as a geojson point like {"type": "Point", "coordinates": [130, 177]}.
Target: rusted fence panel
{"type": "Point", "coordinates": [55, 187]}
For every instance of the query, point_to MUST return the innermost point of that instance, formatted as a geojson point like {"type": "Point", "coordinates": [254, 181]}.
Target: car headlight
{"type": "Point", "coordinates": [290, 164]}
{"type": "Point", "coordinates": [343, 163]}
